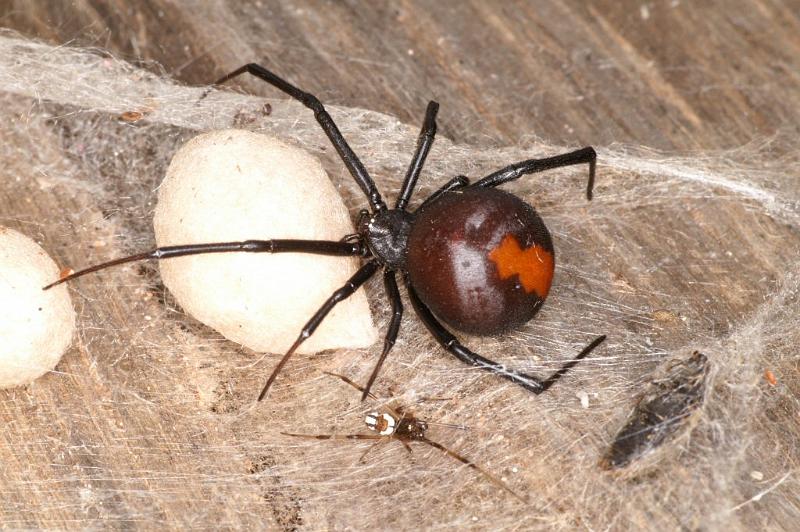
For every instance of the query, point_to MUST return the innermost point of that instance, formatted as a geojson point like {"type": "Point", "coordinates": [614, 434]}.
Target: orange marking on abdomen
{"type": "Point", "coordinates": [534, 265]}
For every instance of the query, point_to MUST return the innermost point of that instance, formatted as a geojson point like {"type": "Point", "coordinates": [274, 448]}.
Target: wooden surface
{"type": "Point", "coordinates": [679, 76]}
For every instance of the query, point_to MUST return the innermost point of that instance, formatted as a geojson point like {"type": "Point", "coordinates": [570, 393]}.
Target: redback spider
{"type": "Point", "coordinates": [395, 423]}
{"type": "Point", "coordinates": [475, 257]}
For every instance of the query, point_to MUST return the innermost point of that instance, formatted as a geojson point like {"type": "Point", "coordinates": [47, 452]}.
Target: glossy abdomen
{"type": "Point", "coordinates": [481, 259]}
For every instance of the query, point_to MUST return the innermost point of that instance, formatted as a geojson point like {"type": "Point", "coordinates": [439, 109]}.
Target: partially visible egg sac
{"type": "Point", "coordinates": [481, 259]}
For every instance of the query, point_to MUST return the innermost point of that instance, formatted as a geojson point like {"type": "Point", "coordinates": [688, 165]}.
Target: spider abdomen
{"type": "Point", "coordinates": [481, 259]}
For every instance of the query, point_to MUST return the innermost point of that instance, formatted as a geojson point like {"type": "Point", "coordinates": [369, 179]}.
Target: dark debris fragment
{"type": "Point", "coordinates": [661, 411]}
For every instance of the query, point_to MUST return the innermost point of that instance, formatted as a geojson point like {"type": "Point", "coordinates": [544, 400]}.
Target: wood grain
{"type": "Point", "coordinates": [80, 450]}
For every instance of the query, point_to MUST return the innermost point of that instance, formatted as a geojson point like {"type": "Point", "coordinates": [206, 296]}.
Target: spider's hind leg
{"type": "Point", "coordinates": [457, 349]}
{"type": "Point", "coordinates": [390, 283]}
{"type": "Point", "coordinates": [531, 166]}
{"type": "Point", "coordinates": [351, 383]}
{"type": "Point", "coordinates": [456, 183]}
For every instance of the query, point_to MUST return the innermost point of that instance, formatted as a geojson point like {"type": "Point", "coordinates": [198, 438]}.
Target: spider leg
{"type": "Point", "coordinates": [363, 456]}
{"type": "Point", "coordinates": [350, 382]}
{"type": "Point", "coordinates": [454, 347]}
{"type": "Point", "coordinates": [549, 381]}
{"type": "Point", "coordinates": [396, 412]}
{"type": "Point", "coordinates": [448, 425]}
{"type": "Point", "coordinates": [457, 182]}
{"type": "Point", "coordinates": [390, 284]}
{"type": "Point", "coordinates": [406, 445]}
{"type": "Point", "coordinates": [426, 136]}
{"type": "Point", "coordinates": [531, 166]}
{"type": "Point", "coordinates": [349, 158]}
{"type": "Point", "coordinates": [352, 284]}
{"type": "Point", "coordinates": [317, 247]}
{"type": "Point", "coordinates": [335, 436]}
{"type": "Point", "coordinates": [431, 399]}
{"type": "Point", "coordinates": [496, 481]}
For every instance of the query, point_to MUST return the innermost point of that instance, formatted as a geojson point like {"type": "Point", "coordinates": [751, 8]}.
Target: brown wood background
{"type": "Point", "coordinates": [671, 75]}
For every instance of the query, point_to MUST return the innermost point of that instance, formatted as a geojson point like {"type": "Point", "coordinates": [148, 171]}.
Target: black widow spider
{"type": "Point", "coordinates": [395, 423]}
{"type": "Point", "coordinates": [473, 256]}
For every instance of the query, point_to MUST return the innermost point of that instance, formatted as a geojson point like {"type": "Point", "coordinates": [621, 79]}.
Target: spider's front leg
{"type": "Point", "coordinates": [350, 159]}
{"type": "Point", "coordinates": [314, 247]}
{"type": "Point", "coordinates": [348, 289]}
{"type": "Point", "coordinates": [457, 349]}
{"type": "Point", "coordinates": [426, 136]}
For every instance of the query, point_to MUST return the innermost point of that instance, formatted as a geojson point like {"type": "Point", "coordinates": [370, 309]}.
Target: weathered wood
{"type": "Point", "coordinates": [148, 420]}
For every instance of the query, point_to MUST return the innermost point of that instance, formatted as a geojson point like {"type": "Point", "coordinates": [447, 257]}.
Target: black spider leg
{"type": "Point", "coordinates": [454, 347]}
{"type": "Point", "coordinates": [390, 283]}
{"type": "Point", "coordinates": [316, 247]}
{"type": "Point", "coordinates": [549, 381]}
{"type": "Point", "coordinates": [359, 278]}
{"type": "Point", "coordinates": [497, 482]}
{"type": "Point", "coordinates": [424, 142]}
{"type": "Point", "coordinates": [457, 182]}
{"type": "Point", "coordinates": [350, 159]}
{"type": "Point", "coordinates": [516, 170]}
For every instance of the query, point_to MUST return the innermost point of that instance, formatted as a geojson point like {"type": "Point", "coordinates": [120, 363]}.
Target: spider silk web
{"type": "Point", "coordinates": [149, 418]}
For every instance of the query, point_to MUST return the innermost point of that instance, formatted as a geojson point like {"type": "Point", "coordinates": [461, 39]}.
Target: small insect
{"type": "Point", "coordinates": [474, 257]}
{"type": "Point", "coordinates": [398, 424]}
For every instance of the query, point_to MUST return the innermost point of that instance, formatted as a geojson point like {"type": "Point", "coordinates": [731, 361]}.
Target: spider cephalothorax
{"type": "Point", "coordinates": [386, 237]}
{"type": "Point", "coordinates": [471, 256]}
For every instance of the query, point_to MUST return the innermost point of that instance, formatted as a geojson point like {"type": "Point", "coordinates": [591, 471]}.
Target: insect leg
{"type": "Point", "coordinates": [349, 288]}
{"type": "Point", "coordinates": [349, 158]}
{"type": "Point", "coordinates": [549, 381]}
{"type": "Point", "coordinates": [531, 166]}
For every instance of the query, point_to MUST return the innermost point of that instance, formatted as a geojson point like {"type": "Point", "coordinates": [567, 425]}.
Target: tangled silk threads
{"type": "Point", "coordinates": [676, 253]}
